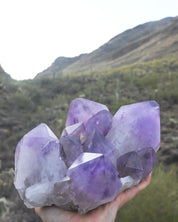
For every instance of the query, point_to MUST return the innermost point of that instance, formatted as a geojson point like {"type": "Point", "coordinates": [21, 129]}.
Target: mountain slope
{"type": "Point", "coordinates": [129, 36]}
{"type": "Point", "coordinates": [58, 65]}
{"type": "Point", "coordinates": [3, 74]}
{"type": "Point", "coordinates": [152, 40]}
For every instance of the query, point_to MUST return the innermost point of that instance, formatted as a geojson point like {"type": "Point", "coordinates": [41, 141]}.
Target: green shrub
{"type": "Point", "coordinates": [6, 181]}
{"type": "Point", "coordinates": [19, 100]}
{"type": "Point", "coordinates": [158, 202]}
{"type": "Point", "coordinates": [3, 208]}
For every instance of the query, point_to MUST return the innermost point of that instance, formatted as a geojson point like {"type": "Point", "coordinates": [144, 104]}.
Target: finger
{"type": "Point", "coordinates": [37, 210]}
{"type": "Point", "coordinates": [40, 212]}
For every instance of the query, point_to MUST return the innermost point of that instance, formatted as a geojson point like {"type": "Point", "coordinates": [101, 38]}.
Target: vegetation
{"type": "Point", "coordinates": [158, 202]}
{"type": "Point", "coordinates": [25, 104]}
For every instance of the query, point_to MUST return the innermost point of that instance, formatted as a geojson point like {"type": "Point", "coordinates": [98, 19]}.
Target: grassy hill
{"type": "Point", "coordinates": [25, 104]}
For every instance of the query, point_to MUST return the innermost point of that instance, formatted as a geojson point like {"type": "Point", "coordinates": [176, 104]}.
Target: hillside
{"type": "Point", "coordinates": [25, 104]}
{"type": "Point", "coordinates": [152, 40]}
{"type": "Point", "coordinates": [59, 64]}
{"type": "Point", "coordinates": [3, 74]}
{"type": "Point", "coordinates": [1, 70]}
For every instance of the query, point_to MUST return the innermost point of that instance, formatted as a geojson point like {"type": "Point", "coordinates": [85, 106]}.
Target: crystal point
{"type": "Point", "coordinates": [136, 127]}
{"type": "Point", "coordinates": [82, 109]}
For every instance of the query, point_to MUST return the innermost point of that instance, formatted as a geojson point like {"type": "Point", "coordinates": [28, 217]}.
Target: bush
{"type": "Point", "coordinates": [21, 101]}
{"type": "Point", "coordinates": [3, 208]}
{"type": "Point", "coordinates": [6, 181]}
{"type": "Point", "coordinates": [158, 202]}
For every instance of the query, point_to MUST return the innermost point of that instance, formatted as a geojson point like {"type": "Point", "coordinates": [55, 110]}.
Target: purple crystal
{"type": "Point", "coordinates": [136, 127]}
{"type": "Point", "coordinates": [97, 156]}
{"type": "Point", "coordinates": [38, 166]}
{"type": "Point", "coordinates": [149, 160]}
{"type": "Point", "coordinates": [82, 109]}
{"type": "Point", "coordinates": [100, 122]}
{"type": "Point", "coordinates": [97, 143]}
{"type": "Point", "coordinates": [138, 164]}
{"type": "Point", "coordinates": [130, 164]}
{"type": "Point", "coordinates": [76, 130]}
{"type": "Point", "coordinates": [61, 195]}
{"type": "Point", "coordinates": [95, 181]}
{"type": "Point", "coordinates": [70, 149]}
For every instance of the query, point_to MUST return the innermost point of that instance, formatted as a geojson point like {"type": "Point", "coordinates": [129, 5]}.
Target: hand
{"type": "Point", "coordinates": [103, 213]}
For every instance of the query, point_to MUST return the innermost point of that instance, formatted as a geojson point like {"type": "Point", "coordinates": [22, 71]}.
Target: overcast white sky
{"type": "Point", "coordinates": [33, 33]}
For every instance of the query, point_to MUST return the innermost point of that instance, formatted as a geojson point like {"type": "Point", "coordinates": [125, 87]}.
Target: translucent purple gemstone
{"type": "Point", "coordinates": [97, 156]}
{"type": "Point", "coordinates": [95, 181]}
{"type": "Point", "coordinates": [149, 160]}
{"type": "Point", "coordinates": [136, 127]}
{"type": "Point", "coordinates": [83, 109]}
{"type": "Point", "coordinates": [130, 164]}
{"type": "Point", "coordinates": [61, 195]}
{"type": "Point", "coordinates": [70, 149]}
{"type": "Point", "coordinates": [38, 166]}
{"type": "Point", "coordinates": [76, 130]}
{"type": "Point", "coordinates": [97, 143]}
{"type": "Point", "coordinates": [138, 164]}
{"type": "Point", "coordinates": [100, 122]}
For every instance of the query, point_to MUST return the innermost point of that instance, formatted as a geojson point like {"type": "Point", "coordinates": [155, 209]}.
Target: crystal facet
{"type": "Point", "coordinates": [96, 157]}
{"type": "Point", "coordinates": [95, 181]}
{"type": "Point", "coordinates": [130, 164]}
{"type": "Point", "coordinates": [136, 127]}
{"type": "Point", "coordinates": [82, 110]}
{"type": "Point", "coordinates": [70, 149]}
{"type": "Point", "coordinates": [100, 122]}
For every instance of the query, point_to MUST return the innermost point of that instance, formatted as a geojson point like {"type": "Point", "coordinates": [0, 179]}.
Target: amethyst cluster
{"type": "Point", "coordinates": [97, 156]}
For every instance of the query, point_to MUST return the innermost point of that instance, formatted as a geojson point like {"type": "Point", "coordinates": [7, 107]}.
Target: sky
{"type": "Point", "coordinates": [33, 33]}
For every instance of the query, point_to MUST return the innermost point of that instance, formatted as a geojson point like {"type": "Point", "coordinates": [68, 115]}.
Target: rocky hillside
{"type": "Point", "coordinates": [152, 40]}
{"type": "Point", "coordinates": [58, 65]}
{"type": "Point", "coordinates": [1, 70]}
{"type": "Point", "coordinates": [3, 74]}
